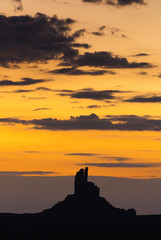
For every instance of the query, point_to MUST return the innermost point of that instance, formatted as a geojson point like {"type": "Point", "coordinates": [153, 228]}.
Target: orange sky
{"type": "Point", "coordinates": [131, 32]}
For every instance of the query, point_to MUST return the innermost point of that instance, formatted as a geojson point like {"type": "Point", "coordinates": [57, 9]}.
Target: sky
{"type": "Point", "coordinates": [80, 85]}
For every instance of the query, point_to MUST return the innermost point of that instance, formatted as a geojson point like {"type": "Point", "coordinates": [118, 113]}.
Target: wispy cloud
{"type": "Point", "coordinates": [24, 173]}
{"type": "Point", "coordinates": [122, 165]}
{"type": "Point", "coordinates": [81, 154]}
{"type": "Point", "coordinates": [17, 4]}
{"type": "Point", "coordinates": [23, 82]}
{"type": "Point", "coordinates": [116, 3]}
{"type": "Point", "coordinates": [144, 99]}
{"type": "Point", "coordinates": [41, 109]}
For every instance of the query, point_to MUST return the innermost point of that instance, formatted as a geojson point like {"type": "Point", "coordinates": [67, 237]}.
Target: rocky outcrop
{"type": "Point", "coordinates": [82, 187]}
{"type": "Point", "coordinates": [86, 203]}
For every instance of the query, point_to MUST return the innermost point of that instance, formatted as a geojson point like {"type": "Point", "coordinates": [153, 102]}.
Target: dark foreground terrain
{"type": "Point", "coordinates": [84, 212]}
{"type": "Point", "coordinates": [27, 225]}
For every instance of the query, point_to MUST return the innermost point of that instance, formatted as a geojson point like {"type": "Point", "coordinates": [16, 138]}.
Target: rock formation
{"type": "Point", "coordinates": [82, 187]}
{"type": "Point", "coordinates": [86, 203]}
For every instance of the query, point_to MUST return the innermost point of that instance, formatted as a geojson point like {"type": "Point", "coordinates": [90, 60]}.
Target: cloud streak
{"type": "Point", "coordinates": [82, 154]}
{"type": "Point", "coordinates": [41, 109]}
{"type": "Point", "coordinates": [123, 3]}
{"type": "Point", "coordinates": [24, 173]}
{"type": "Point", "coordinates": [122, 165]}
{"type": "Point", "coordinates": [117, 3]}
{"type": "Point", "coordinates": [78, 72]}
{"type": "Point", "coordinates": [104, 59]}
{"type": "Point", "coordinates": [91, 93]}
{"type": "Point", "coordinates": [23, 82]}
{"type": "Point", "coordinates": [144, 99]}
{"type": "Point", "coordinates": [91, 122]}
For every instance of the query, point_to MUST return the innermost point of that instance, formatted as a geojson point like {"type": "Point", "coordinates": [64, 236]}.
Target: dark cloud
{"type": "Point", "coordinates": [117, 32]}
{"type": "Point", "coordinates": [144, 99]}
{"type": "Point", "coordinates": [36, 39]}
{"type": "Point", "coordinates": [93, 106]}
{"type": "Point", "coordinates": [41, 109]}
{"type": "Point", "coordinates": [118, 159]}
{"type": "Point", "coordinates": [100, 31]}
{"type": "Point", "coordinates": [23, 173]}
{"type": "Point", "coordinates": [92, 122]}
{"type": "Point", "coordinates": [123, 165]}
{"type": "Point", "coordinates": [17, 4]}
{"type": "Point", "coordinates": [105, 60]}
{"type": "Point", "coordinates": [159, 75]}
{"type": "Point", "coordinates": [81, 45]}
{"type": "Point", "coordinates": [118, 3]}
{"type": "Point", "coordinates": [81, 154]}
{"type": "Point", "coordinates": [77, 72]}
{"type": "Point", "coordinates": [23, 82]}
{"type": "Point", "coordinates": [91, 94]}
{"type": "Point", "coordinates": [19, 91]}
{"type": "Point", "coordinates": [44, 89]}
{"type": "Point", "coordinates": [134, 123]}
{"type": "Point", "coordinates": [141, 55]}
{"type": "Point", "coordinates": [41, 89]}
{"type": "Point", "coordinates": [122, 3]}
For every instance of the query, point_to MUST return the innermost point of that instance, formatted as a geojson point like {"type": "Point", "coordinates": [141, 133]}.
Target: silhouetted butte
{"type": "Point", "coordinates": [86, 202]}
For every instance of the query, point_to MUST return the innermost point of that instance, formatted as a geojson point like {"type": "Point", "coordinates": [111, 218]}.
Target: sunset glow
{"type": "Point", "coordinates": [80, 85]}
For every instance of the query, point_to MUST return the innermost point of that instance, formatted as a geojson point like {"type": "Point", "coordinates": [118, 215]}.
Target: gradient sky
{"type": "Point", "coordinates": [80, 85]}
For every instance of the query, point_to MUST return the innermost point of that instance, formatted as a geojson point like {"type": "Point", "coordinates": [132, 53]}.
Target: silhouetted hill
{"type": "Point", "coordinates": [84, 212]}
{"type": "Point", "coordinates": [86, 207]}
{"type": "Point", "coordinates": [86, 202]}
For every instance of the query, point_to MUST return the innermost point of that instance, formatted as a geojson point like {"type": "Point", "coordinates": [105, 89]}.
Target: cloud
{"type": "Point", "coordinates": [27, 39]}
{"type": "Point", "coordinates": [24, 173]}
{"type": "Point", "coordinates": [91, 94]}
{"type": "Point", "coordinates": [92, 122]}
{"type": "Point", "coordinates": [122, 3]}
{"type": "Point", "coordinates": [36, 98]}
{"type": "Point", "coordinates": [93, 106]}
{"type": "Point", "coordinates": [102, 156]}
{"type": "Point", "coordinates": [81, 154]}
{"type": "Point", "coordinates": [117, 32]}
{"type": "Point", "coordinates": [142, 73]}
{"type": "Point", "coordinates": [17, 4]}
{"type": "Point", "coordinates": [23, 82]}
{"type": "Point", "coordinates": [118, 3]}
{"type": "Point", "coordinates": [144, 99]}
{"type": "Point", "coordinates": [104, 59]}
{"type": "Point", "coordinates": [118, 159]}
{"type": "Point", "coordinates": [122, 165]}
{"type": "Point", "coordinates": [77, 72]}
{"type": "Point", "coordinates": [141, 55]}
{"type": "Point", "coordinates": [100, 31]}
{"type": "Point", "coordinates": [41, 109]}
{"type": "Point", "coordinates": [44, 89]}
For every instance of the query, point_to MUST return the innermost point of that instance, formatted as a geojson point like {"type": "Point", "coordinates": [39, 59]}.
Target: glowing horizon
{"type": "Point", "coordinates": [80, 86]}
